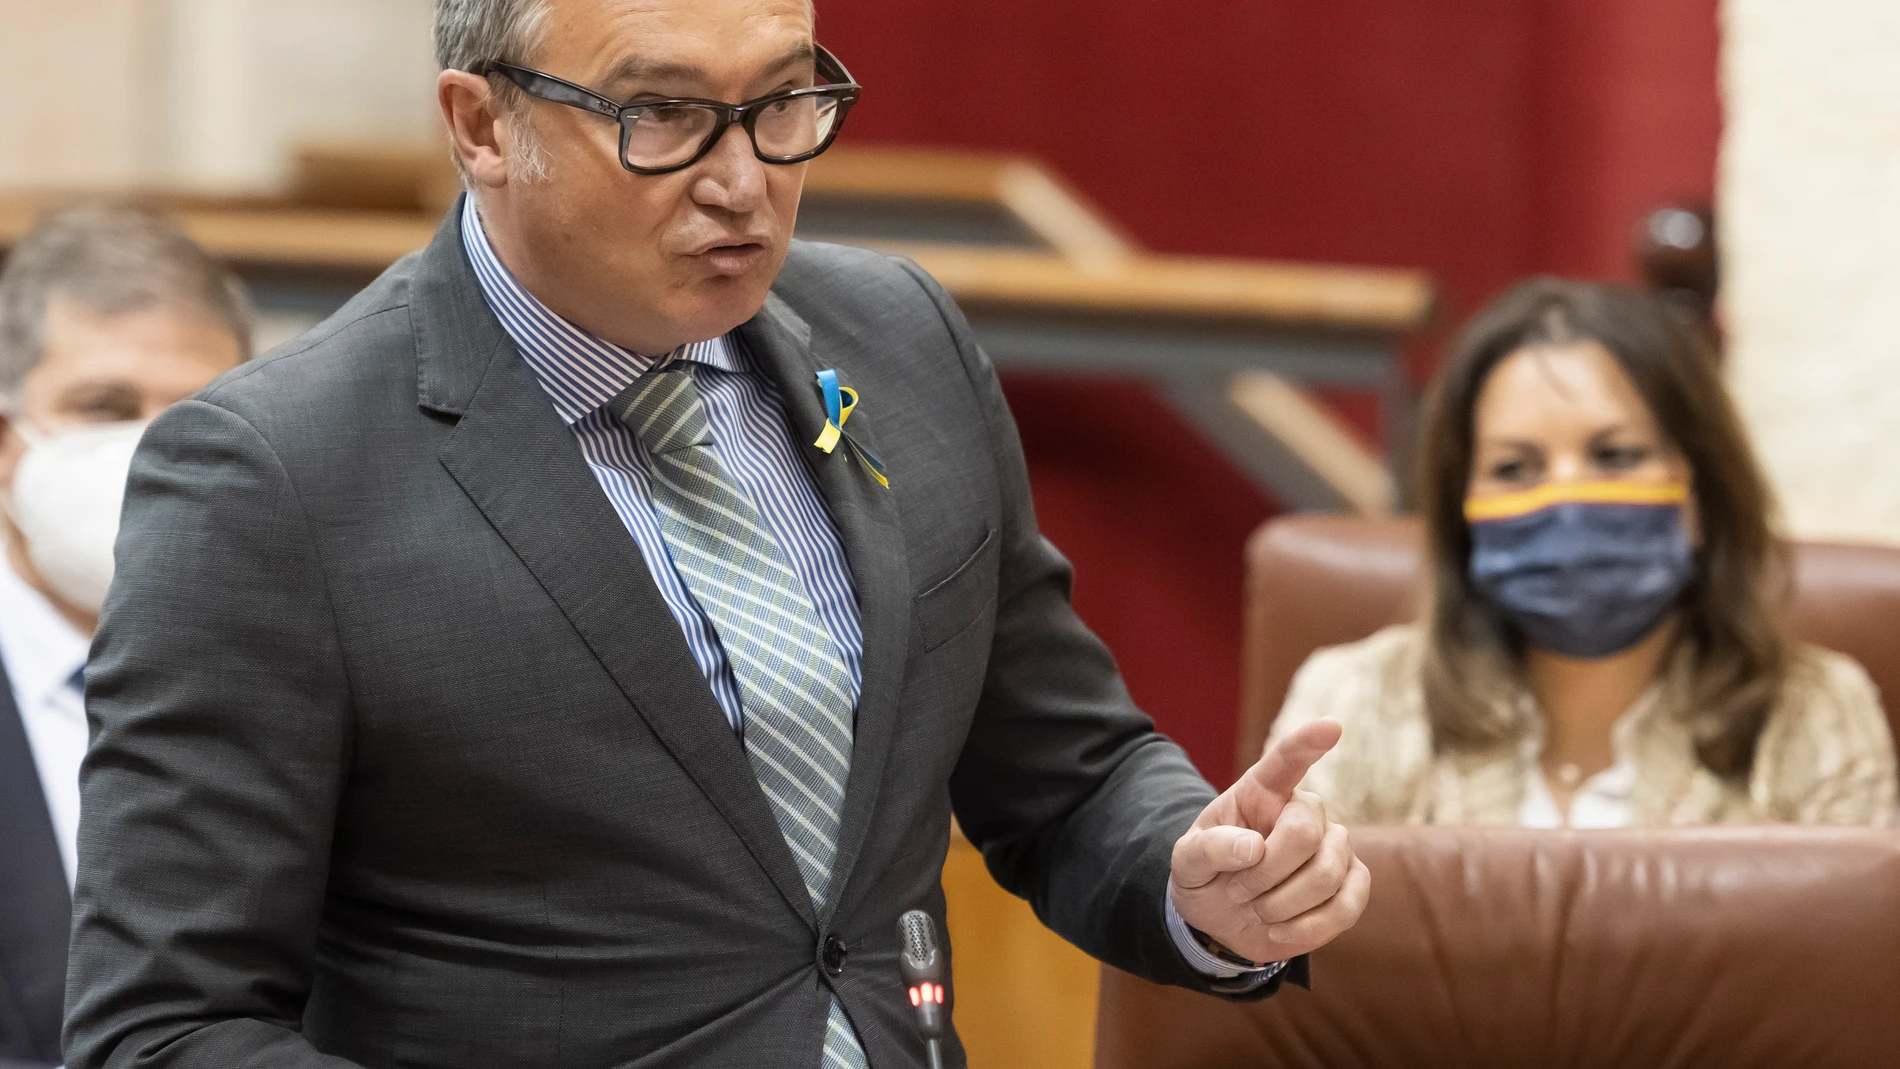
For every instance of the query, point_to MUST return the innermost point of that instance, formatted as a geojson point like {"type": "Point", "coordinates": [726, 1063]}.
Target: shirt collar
{"type": "Point", "coordinates": [42, 649]}
{"type": "Point", "coordinates": [579, 370]}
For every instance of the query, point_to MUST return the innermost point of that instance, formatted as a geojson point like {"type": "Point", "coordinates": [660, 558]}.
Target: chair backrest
{"type": "Point", "coordinates": [1315, 581]}
{"type": "Point", "coordinates": [1504, 948]}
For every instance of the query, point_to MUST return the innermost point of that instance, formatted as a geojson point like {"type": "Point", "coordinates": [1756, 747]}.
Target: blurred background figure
{"type": "Point", "coordinates": [1604, 641]}
{"type": "Point", "coordinates": [107, 317]}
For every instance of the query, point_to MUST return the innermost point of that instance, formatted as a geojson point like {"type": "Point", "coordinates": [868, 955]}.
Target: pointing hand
{"type": "Point", "coordinates": [1262, 871]}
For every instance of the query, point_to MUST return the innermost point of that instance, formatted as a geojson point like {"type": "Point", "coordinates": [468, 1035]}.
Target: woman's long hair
{"type": "Point", "coordinates": [1730, 637]}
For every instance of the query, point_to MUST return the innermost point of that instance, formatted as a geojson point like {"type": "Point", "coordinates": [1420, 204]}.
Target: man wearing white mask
{"type": "Point", "coordinates": [107, 317]}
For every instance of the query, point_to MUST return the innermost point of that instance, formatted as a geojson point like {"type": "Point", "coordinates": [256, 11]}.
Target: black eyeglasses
{"type": "Point", "coordinates": [662, 136]}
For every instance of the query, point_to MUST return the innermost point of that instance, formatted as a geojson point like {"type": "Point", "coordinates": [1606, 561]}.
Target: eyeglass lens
{"type": "Point", "coordinates": [669, 134]}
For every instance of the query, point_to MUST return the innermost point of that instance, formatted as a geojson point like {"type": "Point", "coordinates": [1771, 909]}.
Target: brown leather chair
{"type": "Point", "coordinates": [1510, 949]}
{"type": "Point", "coordinates": [1507, 948]}
{"type": "Point", "coordinates": [1315, 581]}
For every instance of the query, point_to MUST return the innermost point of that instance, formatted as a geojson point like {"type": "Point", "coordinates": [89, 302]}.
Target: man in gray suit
{"type": "Point", "coordinates": [479, 688]}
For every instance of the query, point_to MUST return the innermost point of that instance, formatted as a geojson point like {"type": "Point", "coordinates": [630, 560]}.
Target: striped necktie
{"type": "Point", "coordinates": [794, 685]}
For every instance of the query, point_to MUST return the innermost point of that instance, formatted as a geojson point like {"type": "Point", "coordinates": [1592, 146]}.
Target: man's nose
{"type": "Point", "coordinates": [731, 176]}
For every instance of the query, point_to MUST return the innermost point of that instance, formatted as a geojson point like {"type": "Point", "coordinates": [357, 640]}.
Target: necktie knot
{"type": "Point", "coordinates": [664, 408]}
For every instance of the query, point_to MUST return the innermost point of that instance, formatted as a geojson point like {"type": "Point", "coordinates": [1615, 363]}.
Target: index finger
{"type": "Point", "coordinates": [1272, 779]}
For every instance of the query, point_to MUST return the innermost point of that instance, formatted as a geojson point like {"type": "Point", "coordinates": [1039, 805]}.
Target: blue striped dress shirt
{"type": "Point", "coordinates": [581, 373]}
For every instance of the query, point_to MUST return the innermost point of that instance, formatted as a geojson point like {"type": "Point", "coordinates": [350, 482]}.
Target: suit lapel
{"type": "Point", "coordinates": [779, 340]}
{"type": "Point", "coordinates": [523, 469]}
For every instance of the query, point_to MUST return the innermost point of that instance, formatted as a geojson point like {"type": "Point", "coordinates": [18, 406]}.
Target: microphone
{"type": "Point", "coordinates": [922, 966]}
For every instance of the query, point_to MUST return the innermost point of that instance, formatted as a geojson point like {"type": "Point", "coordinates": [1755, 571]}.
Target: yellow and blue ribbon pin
{"type": "Point", "coordinates": [839, 403]}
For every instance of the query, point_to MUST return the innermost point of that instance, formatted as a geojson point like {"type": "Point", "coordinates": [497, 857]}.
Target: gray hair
{"type": "Point", "coordinates": [111, 261]}
{"type": "Point", "coordinates": [470, 35]}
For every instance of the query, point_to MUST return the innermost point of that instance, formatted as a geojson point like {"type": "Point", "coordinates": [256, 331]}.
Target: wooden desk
{"type": "Point", "coordinates": [1223, 338]}
{"type": "Point", "coordinates": [1025, 999]}
{"type": "Point", "coordinates": [1241, 293]}
{"type": "Point", "coordinates": [947, 196]}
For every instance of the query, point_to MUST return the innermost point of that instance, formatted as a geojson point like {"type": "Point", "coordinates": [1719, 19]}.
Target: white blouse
{"type": "Point", "coordinates": [1603, 800]}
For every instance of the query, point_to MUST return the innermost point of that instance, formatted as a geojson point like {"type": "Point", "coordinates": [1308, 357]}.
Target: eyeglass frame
{"type": "Point", "coordinates": [544, 86]}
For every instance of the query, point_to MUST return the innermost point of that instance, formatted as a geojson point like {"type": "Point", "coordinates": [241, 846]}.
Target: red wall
{"type": "Point", "coordinates": [1480, 139]}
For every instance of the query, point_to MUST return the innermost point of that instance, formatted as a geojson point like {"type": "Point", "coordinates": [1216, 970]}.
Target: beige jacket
{"type": "Point", "coordinates": [1825, 756]}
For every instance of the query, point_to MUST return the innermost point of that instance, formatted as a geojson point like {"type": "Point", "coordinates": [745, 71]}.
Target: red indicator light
{"type": "Point", "coordinates": [939, 993]}
{"type": "Point", "coordinates": [916, 999]}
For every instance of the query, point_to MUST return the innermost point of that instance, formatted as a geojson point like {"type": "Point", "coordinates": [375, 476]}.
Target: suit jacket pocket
{"type": "Point", "coordinates": [955, 601]}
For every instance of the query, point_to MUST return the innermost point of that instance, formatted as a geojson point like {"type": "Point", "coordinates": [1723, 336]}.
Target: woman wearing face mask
{"type": "Point", "coordinates": [1603, 643]}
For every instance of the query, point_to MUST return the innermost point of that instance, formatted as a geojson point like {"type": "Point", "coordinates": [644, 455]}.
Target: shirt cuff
{"type": "Point", "coordinates": [1204, 961]}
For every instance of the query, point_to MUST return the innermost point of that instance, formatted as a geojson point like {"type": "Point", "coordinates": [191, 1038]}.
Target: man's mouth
{"type": "Point", "coordinates": [734, 259]}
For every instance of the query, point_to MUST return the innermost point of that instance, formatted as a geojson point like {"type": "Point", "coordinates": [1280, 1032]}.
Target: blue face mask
{"type": "Point", "coordinates": [1584, 570]}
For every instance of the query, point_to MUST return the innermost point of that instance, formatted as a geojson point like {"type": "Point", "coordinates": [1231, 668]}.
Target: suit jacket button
{"type": "Point", "coordinates": [833, 954]}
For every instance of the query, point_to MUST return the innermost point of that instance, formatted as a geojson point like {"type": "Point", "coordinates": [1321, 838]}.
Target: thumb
{"type": "Point", "coordinates": [1266, 788]}
{"type": "Point", "coordinates": [1204, 853]}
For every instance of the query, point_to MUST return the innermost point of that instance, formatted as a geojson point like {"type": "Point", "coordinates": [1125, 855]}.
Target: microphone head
{"type": "Point", "coordinates": [920, 961]}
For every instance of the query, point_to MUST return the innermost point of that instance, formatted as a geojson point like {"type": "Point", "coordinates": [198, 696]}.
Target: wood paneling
{"type": "Point", "coordinates": [1024, 998]}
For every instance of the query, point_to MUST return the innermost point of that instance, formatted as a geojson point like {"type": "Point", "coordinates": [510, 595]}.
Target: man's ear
{"type": "Point", "coordinates": [469, 110]}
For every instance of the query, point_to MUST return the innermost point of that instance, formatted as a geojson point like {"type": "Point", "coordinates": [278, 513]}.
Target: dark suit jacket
{"type": "Point", "coordinates": [35, 909]}
{"type": "Point", "coordinates": [399, 758]}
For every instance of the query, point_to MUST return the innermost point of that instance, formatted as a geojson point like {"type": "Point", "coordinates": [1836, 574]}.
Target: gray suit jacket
{"type": "Point", "coordinates": [400, 760]}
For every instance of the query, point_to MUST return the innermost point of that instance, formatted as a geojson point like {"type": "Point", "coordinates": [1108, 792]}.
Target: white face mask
{"type": "Point", "coordinates": [65, 501]}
